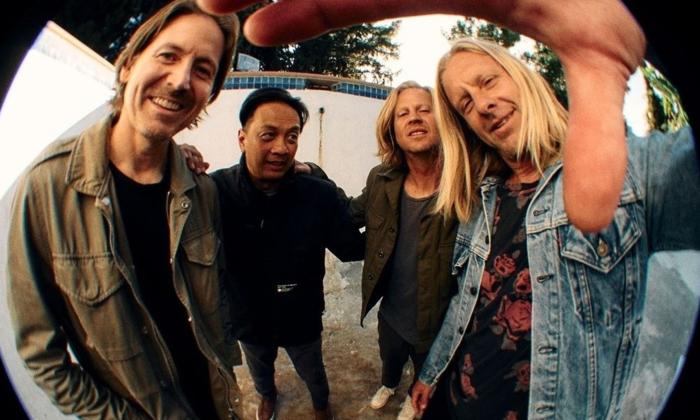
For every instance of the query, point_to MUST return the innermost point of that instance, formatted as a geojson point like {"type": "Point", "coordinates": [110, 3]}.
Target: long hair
{"type": "Point", "coordinates": [388, 149]}
{"type": "Point", "coordinates": [145, 33]}
{"type": "Point", "coordinates": [467, 159]}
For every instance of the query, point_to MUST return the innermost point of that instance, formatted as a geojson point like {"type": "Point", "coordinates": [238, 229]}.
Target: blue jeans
{"type": "Point", "coordinates": [307, 360]}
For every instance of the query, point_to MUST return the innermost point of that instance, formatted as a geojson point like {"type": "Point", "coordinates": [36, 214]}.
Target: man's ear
{"type": "Point", "coordinates": [241, 139]}
{"type": "Point", "coordinates": [125, 71]}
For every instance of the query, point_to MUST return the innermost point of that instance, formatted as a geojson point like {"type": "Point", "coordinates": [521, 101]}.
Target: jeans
{"type": "Point", "coordinates": [307, 360]}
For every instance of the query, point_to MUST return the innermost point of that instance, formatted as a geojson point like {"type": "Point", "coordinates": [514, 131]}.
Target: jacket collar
{"type": "Point", "coordinates": [394, 178]}
{"type": "Point", "coordinates": [88, 167]}
{"type": "Point", "coordinates": [493, 180]}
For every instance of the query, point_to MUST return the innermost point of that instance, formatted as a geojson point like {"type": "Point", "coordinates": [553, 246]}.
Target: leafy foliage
{"type": "Point", "coordinates": [665, 111]}
{"type": "Point", "coordinates": [105, 25]}
{"type": "Point", "coordinates": [354, 52]}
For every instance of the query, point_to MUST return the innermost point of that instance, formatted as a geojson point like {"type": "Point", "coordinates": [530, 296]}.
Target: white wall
{"type": "Point", "coordinates": [344, 132]}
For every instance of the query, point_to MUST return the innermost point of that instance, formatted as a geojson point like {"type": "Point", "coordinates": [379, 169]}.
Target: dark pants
{"type": "Point", "coordinates": [395, 352]}
{"type": "Point", "coordinates": [307, 360]}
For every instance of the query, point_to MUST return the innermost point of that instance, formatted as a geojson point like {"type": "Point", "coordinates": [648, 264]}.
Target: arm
{"type": "Point", "coordinates": [596, 63]}
{"type": "Point", "coordinates": [355, 206]}
{"type": "Point", "coordinates": [343, 238]}
{"type": "Point", "coordinates": [36, 313]}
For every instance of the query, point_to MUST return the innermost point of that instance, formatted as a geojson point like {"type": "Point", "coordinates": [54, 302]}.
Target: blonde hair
{"type": "Point", "coordinates": [467, 159]}
{"type": "Point", "coordinates": [388, 148]}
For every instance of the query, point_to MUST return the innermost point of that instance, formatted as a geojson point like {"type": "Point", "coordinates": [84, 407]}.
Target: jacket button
{"type": "Point", "coordinates": [460, 330]}
{"type": "Point", "coordinates": [371, 277]}
{"type": "Point", "coordinates": [392, 230]}
{"type": "Point", "coordinates": [380, 253]}
{"type": "Point", "coordinates": [473, 291]}
{"type": "Point", "coordinates": [144, 330]}
{"type": "Point", "coordinates": [543, 278]}
{"type": "Point", "coordinates": [603, 248]}
{"type": "Point", "coordinates": [185, 204]}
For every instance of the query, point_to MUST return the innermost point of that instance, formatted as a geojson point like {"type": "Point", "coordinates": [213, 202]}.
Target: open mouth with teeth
{"type": "Point", "coordinates": [168, 104]}
{"type": "Point", "coordinates": [418, 132]}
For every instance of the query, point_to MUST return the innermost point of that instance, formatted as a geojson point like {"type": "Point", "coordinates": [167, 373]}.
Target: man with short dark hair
{"type": "Point", "coordinates": [277, 225]}
{"type": "Point", "coordinates": [114, 243]}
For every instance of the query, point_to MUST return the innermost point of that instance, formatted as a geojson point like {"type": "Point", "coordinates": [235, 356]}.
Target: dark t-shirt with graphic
{"type": "Point", "coordinates": [490, 374]}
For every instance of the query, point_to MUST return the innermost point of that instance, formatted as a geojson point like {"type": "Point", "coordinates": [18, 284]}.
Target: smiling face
{"type": "Point", "coordinates": [414, 122]}
{"type": "Point", "coordinates": [269, 141]}
{"type": "Point", "coordinates": [168, 84]}
{"type": "Point", "coordinates": [487, 98]}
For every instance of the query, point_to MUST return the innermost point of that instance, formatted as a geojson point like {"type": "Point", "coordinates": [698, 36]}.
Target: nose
{"type": "Point", "coordinates": [415, 117]}
{"type": "Point", "coordinates": [279, 146]}
{"type": "Point", "coordinates": [181, 75]}
{"type": "Point", "coordinates": [484, 103]}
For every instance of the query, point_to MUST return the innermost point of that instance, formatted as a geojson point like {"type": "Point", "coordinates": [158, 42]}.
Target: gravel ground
{"type": "Point", "coordinates": [351, 356]}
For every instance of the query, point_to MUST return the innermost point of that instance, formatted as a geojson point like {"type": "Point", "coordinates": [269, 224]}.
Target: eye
{"type": "Point", "coordinates": [425, 110]}
{"type": "Point", "coordinates": [401, 113]}
{"type": "Point", "coordinates": [293, 137]}
{"type": "Point", "coordinates": [490, 81]}
{"type": "Point", "coordinates": [204, 72]}
{"type": "Point", "coordinates": [267, 135]}
{"type": "Point", "coordinates": [167, 56]}
{"type": "Point", "coordinates": [465, 105]}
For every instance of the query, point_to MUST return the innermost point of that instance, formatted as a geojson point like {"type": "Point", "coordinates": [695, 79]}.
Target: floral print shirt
{"type": "Point", "coordinates": [490, 374]}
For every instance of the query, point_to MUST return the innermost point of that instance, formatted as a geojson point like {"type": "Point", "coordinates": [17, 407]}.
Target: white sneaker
{"type": "Point", "coordinates": [381, 397]}
{"type": "Point", "coordinates": [407, 412]}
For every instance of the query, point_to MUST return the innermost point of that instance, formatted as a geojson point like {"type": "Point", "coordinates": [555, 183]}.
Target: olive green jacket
{"type": "Point", "coordinates": [72, 282]}
{"type": "Point", "coordinates": [378, 209]}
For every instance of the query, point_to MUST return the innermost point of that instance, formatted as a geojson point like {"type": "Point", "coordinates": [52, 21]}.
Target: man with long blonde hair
{"type": "Point", "coordinates": [564, 344]}
{"type": "Point", "coordinates": [408, 246]}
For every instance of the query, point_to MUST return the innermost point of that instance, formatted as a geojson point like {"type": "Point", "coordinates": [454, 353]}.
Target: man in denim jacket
{"type": "Point", "coordinates": [563, 345]}
{"type": "Point", "coordinates": [115, 263]}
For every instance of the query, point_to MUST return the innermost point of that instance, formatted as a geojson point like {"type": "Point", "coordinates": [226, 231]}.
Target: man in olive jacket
{"type": "Point", "coordinates": [114, 244]}
{"type": "Point", "coordinates": [408, 246]}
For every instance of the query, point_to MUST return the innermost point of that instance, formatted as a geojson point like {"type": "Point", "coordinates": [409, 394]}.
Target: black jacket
{"type": "Point", "coordinates": [275, 253]}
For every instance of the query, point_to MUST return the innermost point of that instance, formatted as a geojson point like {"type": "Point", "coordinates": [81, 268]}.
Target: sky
{"type": "Point", "coordinates": [421, 44]}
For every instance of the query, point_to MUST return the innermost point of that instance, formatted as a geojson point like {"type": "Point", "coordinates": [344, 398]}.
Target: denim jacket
{"type": "Point", "coordinates": [588, 290]}
{"type": "Point", "coordinates": [71, 282]}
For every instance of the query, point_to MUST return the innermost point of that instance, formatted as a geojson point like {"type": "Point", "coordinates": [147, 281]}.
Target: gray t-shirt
{"type": "Point", "coordinates": [399, 305]}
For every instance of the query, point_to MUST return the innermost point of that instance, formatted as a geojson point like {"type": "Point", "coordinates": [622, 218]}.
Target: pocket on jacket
{"type": "Point", "coordinates": [602, 251]}
{"type": "Point", "coordinates": [202, 248]}
{"type": "Point", "coordinates": [89, 279]}
{"type": "Point", "coordinates": [601, 285]}
{"type": "Point", "coordinates": [103, 307]}
{"type": "Point", "coordinates": [204, 276]}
